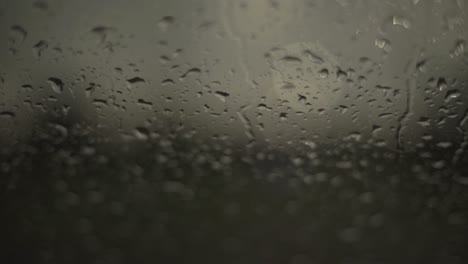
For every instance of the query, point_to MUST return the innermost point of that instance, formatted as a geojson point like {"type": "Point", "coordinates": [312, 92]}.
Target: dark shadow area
{"type": "Point", "coordinates": [70, 197]}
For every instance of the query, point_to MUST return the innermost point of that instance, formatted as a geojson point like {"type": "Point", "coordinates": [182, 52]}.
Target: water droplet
{"type": "Point", "coordinates": [18, 34]}
{"type": "Point", "coordinates": [39, 47]}
{"type": "Point", "coordinates": [367, 64]}
{"type": "Point", "coordinates": [421, 66]}
{"type": "Point", "coordinates": [56, 85]}
{"type": "Point", "coordinates": [165, 22]}
{"type": "Point", "coordinates": [283, 116]}
{"type": "Point", "coordinates": [444, 144]}
{"type": "Point", "coordinates": [118, 70]}
{"type": "Point", "coordinates": [167, 82]}
{"type": "Point", "coordinates": [452, 94]}
{"type": "Point", "coordinates": [424, 122]}
{"type": "Point", "coordinates": [462, 180]}
{"type": "Point", "coordinates": [263, 107]}
{"type": "Point", "coordinates": [383, 44]}
{"type": "Point", "coordinates": [323, 73]}
{"type": "Point", "coordinates": [135, 81]}
{"type": "Point", "coordinates": [41, 5]}
{"type": "Point", "coordinates": [100, 103]}
{"type": "Point", "coordinates": [141, 133]}
{"type": "Point", "coordinates": [144, 103]}
{"type": "Point", "coordinates": [291, 59]}
{"type": "Point", "coordinates": [341, 75]}
{"type": "Point", "coordinates": [459, 48]}
{"type": "Point", "coordinates": [61, 129]}
{"type": "Point", "coordinates": [310, 144]}
{"type": "Point", "coordinates": [401, 21]}
{"type": "Point", "coordinates": [222, 95]}
{"type": "Point", "coordinates": [301, 98]}
{"type": "Point", "coordinates": [288, 86]}
{"type": "Point", "coordinates": [367, 197]}
{"type": "Point", "coordinates": [90, 89]}
{"type": "Point", "coordinates": [439, 164]}
{"type": "Point", "coordinates": [164, 59]}
{"type": "Point", "coordinates": [385, 115]}
{"type": "Point", "coordinates": [192, 71]}
{"type": "Point", "coordinates": [383, 88]}
{"type": "Point", "coordinates": [314, 57]}
{"type": "Point", "coordinates": [102, 32]}
{"type": "Point", "coordinates": [7, 114]}
{"type": "Point", "coordinates": [442, 84]}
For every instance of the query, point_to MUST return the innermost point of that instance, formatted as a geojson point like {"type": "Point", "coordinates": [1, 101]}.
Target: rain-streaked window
{"type": "Point", "coordinates": [234, 131]}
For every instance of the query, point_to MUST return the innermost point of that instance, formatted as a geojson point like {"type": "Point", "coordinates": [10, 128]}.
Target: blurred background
{"type": "Point", "coordinates": [233, 131]}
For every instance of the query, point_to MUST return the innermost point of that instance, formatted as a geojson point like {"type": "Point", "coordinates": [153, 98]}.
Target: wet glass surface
{"type": "Point", "coordinates": [264, 131]}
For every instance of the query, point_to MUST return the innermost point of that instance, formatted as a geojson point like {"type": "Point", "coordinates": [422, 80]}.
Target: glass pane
{"type": "Point", "coordinates": [234, 131]}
